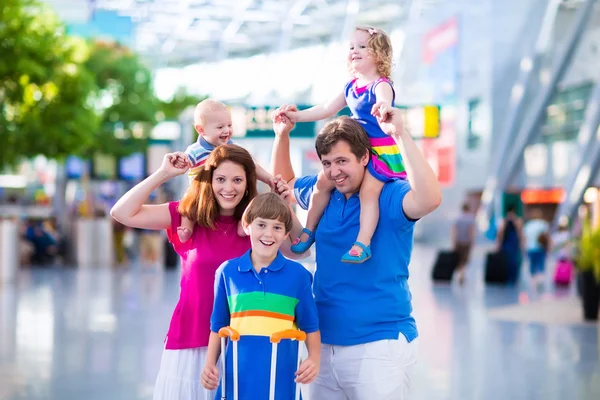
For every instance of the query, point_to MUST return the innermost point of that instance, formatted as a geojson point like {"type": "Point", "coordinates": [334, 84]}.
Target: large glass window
{"type": "Point", "coordinates": [565, 113]}
{"type": "Point", "coordinates": [476, 124]}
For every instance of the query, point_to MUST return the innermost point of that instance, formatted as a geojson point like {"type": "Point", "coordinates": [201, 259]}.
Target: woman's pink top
{"type": "Point", "coordinates": [201, 255]}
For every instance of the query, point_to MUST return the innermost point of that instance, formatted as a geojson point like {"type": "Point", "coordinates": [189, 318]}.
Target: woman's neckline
{"type": "Point", "coordinates": [225, 219]}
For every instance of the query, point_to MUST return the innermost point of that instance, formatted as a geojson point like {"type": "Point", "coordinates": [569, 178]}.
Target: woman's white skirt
{"type": "Point", "coordinates": [179, 376]}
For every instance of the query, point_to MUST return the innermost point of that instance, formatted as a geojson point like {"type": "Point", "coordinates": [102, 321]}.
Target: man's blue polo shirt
{"type": "Point", "coordinates": [258, 304]}
{"type": "Point", "coordinates": [362, 303]}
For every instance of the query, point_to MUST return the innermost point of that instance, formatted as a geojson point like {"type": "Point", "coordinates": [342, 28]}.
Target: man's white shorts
{"type": "Point", "coordinates": [372, 371]}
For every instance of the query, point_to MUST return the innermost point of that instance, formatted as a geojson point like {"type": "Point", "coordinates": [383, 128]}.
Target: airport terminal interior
{"type": "Point", "coordinates": [502, 99]}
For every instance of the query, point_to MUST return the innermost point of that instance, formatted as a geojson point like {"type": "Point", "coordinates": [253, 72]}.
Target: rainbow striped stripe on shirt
{"type": "Point", "coordinates": [386, 157]}
{"type": "Point", "coordinates": [198, 156]}
{"type": "Point", "coordinates": [261, 314]}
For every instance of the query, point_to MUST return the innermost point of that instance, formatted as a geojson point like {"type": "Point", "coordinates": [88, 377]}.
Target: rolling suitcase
{"type": "Point", "coordinates": [496, 268]}
{"type": "Point", "coordinates": [233, 336]}
{"type": "Point", "coordinates": [563, 272]}
{"type": "Point", "coordinates": [444, 266]}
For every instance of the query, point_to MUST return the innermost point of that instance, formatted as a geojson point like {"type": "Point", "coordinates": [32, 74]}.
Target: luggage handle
{"type": "Point", "coordinates": [229, 332]}
{"type": "Point", "coordinates": [292, 334]}
{"type": "Point", "coordinates": [225, 333]}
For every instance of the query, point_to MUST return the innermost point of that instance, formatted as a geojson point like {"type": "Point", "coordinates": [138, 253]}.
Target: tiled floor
{"type": "Point", "coordinates": [97, 334]}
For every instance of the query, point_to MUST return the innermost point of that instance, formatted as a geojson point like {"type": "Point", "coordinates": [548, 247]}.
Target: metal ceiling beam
{"type": "Point", "coordinates": [233, 27]}
{"type": "Point", "coordinates": [587, 167]}
{"type": "Point", "coordinates": [515, 139]}
{"type": "Point", "coordinates": [352, 9]}
{"type": "Point", "coordinates": [287, 25]}
{"type": "Point", "coordinates": [169, 45]}
{"type": "Point", "coordinates": [533, 118]}
{"type": "Point", "coordinates": [166, 26]}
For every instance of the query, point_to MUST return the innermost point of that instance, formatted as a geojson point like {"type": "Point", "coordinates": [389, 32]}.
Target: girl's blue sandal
{"type": "Point", "coordinates": [301, 247]}
{"type": "Point", "coordinates": [354, 257]}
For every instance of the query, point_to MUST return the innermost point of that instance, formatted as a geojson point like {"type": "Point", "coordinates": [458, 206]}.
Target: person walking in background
{"type": "Point", "coordinates": [537, 243]}
{"type": "Point", "coordinates": [562, 247]}
{"type": "Point", "coordinates": [562, 253]}
{"type": "Point", "coordinates": [510, 243]}
{"type": "Point", "coordinates": [463, 235]}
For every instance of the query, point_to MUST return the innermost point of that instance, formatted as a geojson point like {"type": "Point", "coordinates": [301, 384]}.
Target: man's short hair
{"type": "Point", "coordinates": [346, 129]}
{"type": "Point", "coordinates": [269, 206]}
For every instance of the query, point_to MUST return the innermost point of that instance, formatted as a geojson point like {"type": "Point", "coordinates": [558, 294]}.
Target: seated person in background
{"type": "Point", "coordinates": [463, 234]}
{"type": "Point", "coordinates": [43, 243]}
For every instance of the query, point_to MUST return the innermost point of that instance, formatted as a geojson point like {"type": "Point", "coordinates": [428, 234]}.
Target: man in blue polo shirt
{"type": "Point", "coordinates": [368, 336]}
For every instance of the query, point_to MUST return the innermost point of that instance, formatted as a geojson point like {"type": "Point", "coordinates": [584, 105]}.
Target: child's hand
{"type": "Point", "coordinates": [282, 123]}
{"type": "Point", "coordinates": [389, 119]}
{"type": "Point", "coordinates": [288, 110]}
{"type": "Point", "coordinates": [210, 377]}
{"type": "Point", "coordinates": [379, 107]}
{"type": "Point", "coordinates": [281, 188]}
{"type": "Point", "coordinates": [292, 115]}
{"type": "Point", "coordinates": [308, 371]}
{"type": "Point", "coordinates": [180, 160]}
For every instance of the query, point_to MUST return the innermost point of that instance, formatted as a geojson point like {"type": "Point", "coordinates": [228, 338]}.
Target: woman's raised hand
{"type": "Point", "coordinates": [174, 164]}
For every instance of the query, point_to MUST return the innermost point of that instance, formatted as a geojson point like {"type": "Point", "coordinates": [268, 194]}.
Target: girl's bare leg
{"type": "Point", "coordinates": [370, 190]}
{"type": "Point", "coordinates": [318, 203]}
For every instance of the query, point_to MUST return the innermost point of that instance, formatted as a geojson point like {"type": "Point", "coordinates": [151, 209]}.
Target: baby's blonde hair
{"type": "Point", "coordinates": [380, 46]}
{"type": "Point", "coordinates": [204, 108]}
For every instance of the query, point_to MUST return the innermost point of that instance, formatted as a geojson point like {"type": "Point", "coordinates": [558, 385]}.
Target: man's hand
{"type": "Point", "coordinates": [308, 371]}
{"type": "Point", "coordinates": [210, 377]}
{"type": "Point", "coordinates": [284, 119]}
{"type": "Point", "coordinates": [389, 118]}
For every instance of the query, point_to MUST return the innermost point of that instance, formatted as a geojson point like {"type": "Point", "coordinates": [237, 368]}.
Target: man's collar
{"type": "Point", "coordinates": [342, 196]}
{"type": "Point", "coordinates": [246, 262]}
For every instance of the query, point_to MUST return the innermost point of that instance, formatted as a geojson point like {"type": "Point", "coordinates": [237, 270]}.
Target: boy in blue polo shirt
{"type": "Point", "coordinates": [259, 294]}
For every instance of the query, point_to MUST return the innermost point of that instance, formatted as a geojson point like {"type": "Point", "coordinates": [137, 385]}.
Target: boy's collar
{"type": "Point", "coordinates": [246, 262]}
{"type": "Point", "coordinates": [204, 143]}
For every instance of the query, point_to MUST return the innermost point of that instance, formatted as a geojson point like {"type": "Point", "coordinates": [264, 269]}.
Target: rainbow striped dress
{"type": "Point", "coordinates": [386, 160]}
{"type": "Point", "coordinates": [258, 304]}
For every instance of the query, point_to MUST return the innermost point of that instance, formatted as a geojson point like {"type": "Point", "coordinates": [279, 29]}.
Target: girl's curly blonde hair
{"type": "Point", "coordinates": [380, 47]}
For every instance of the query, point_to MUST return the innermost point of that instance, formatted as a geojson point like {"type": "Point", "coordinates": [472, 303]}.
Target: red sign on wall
{"type": "Point", "coordinates": [439, 51]}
